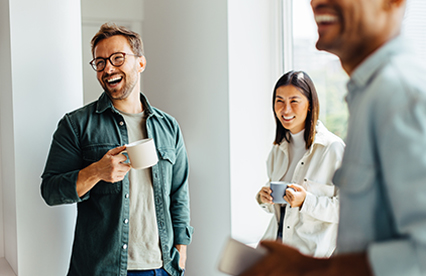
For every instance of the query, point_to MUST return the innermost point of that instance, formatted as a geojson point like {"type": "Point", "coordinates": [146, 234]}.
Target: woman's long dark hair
{"type": "Point", "coordinates": [304, 84]}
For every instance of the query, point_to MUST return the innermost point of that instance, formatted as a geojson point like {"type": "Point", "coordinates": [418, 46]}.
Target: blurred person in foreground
{"type": "Point", "coordinates": [306, 155]}
{"type": "Point", "coordinates": [382, 180]}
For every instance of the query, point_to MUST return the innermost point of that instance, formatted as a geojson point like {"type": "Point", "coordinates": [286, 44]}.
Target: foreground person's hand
{"type": "Point", "coordinates": [283, 260]}
{"type": "Point", "coordinates": [280, 260]}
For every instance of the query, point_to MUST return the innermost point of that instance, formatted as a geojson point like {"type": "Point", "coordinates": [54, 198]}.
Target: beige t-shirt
{"type": "Point", "coordinates": [144, 244]}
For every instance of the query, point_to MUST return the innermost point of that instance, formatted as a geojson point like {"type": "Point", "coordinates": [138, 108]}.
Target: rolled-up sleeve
{"type": "Point", "coordinates": [179, 208]}
{"type": "Point", "coordinates": [63, 163]}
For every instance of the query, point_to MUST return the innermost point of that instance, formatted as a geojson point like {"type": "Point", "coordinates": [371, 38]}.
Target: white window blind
{"type": "Point", "coordinates": [414, 26]}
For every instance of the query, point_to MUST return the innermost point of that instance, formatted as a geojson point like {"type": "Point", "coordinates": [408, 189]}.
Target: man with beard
{"type": "Point", "coordinates": [129, 222]}
{"type": "Point", "coordinates": [382, 179]}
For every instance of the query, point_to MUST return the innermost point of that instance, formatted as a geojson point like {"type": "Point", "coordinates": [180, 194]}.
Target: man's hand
{"type": "Point", "coordinates": [182, 252]}
{"type": "Point", "coordinates": [282, 260]}
{"type": "Point", "coordinates": [111, 168]}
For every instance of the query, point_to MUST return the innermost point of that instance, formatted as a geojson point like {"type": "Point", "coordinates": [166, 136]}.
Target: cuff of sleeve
{"type": "Point", "coordinates": [68, 192]}
{"type": "Point", "coordinates": [183, 235]}
{"type": "Point", "coordinates": [310, 200]}
{"type": "Point", "coordinates": [269, 208]}
{"type": "Point", "coordinates": [258, 199]}
{"type": "Point", "coordinates": [394, 259]}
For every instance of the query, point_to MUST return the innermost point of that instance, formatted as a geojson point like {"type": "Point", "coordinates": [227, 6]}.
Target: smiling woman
{"type": "Point", "coordinates": [304, 156]}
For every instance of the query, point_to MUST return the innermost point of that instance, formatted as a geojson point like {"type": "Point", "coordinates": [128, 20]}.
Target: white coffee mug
{"type": "Point", "coordinates": [142, 153]}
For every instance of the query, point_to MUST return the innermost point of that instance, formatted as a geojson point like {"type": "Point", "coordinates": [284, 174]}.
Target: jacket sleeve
{"type": "Point", "coordinates": [269, 208]}
{"type": "Point", "coordinates": [63, 163]}
{"type": "Point", "coordinates": [322, 199]}
{"type": "Point", "coordinates": [179, 207]}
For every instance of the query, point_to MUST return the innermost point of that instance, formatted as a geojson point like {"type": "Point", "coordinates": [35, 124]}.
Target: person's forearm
{"type": "Point", "coordinates": [354, 264]}
{"type": "Point", "coordinates": [86, 180]}
{"type": "Point", "coordinates": [349, 265]}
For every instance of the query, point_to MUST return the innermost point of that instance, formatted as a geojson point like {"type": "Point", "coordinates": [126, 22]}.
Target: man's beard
{"type": "Point", "coordinates": [116, 94]}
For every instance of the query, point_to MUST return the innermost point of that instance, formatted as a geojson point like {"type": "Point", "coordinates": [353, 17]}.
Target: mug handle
{"type": "Point", "coordinates": [127, 156]}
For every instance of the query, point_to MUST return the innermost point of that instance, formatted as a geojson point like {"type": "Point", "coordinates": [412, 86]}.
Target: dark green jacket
{"type": "Point", "coordinates": [101, 234]}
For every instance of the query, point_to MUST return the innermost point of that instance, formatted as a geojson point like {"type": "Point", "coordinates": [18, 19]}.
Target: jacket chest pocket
{"type": "Point", "coordinates": [319, 189]}
{"type": "Point", "coordinates": [93, 154]}
{"type": "Point", "coordinates": [166, 160]}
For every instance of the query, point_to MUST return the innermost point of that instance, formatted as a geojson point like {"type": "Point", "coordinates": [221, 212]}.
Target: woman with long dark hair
{"type": "Point", "coordinates": [306, 155]}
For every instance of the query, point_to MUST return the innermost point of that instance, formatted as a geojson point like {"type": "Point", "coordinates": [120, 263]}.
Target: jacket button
{"type": "Point", "coordinates": [124, 246]}
{"type": "Point", "coordinates": [126, 221]}
{"type": "Point", "coordinates": [303, 163]}
{"type": "Point", "coordinates": [126, 195]}
{"type": "Point", "coordinates": [121, 123]}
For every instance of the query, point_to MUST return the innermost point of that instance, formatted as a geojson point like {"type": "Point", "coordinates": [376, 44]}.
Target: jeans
{"type": "Point", "coordinates": [153, 272]}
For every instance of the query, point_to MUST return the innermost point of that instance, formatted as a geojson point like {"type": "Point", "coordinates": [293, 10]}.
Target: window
{"type": "Point", "coordinates": [324, 68]}
{"type": "Point", "coordinates": [413, 25]}
{"type": "Point", "coordinates": [260, 36]}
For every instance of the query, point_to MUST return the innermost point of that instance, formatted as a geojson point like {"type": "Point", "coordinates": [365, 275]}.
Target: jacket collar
{"type": "Point", "coordinates": [105, 103]}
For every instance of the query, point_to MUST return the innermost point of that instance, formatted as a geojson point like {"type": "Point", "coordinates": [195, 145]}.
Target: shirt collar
{"type": "Point", "coordinates": [367, 69]}
{"type": "Point", "coordinates": [105, 103]}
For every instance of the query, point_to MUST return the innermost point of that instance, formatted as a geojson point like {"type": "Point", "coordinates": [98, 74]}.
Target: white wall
{"type": "Point", "coordinates": [186, 46]}
{"type": "Point", "coordinates": [7, 142]}
{"type": "Point", "coordinates": [41, 80]}
{"type": "Point", "coordinates": [212, 65]}
{"type": "Point", "coordinates": [254, 67]}
{"type": "Point", "coordinates": [1, 208]}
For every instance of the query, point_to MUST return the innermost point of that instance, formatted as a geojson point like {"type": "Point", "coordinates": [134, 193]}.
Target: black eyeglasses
{"type": "Point", "coordinates": [116, 59]}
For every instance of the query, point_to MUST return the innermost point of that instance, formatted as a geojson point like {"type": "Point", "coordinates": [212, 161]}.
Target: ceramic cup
{"type": "Point", "coordinates": [278, 191]}
{"type": "Point", "coordinates": [142, 153]}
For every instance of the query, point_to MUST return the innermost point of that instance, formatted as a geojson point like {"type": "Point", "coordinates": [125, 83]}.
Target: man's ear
{"type": "Point", "coordinates": [142, 64]}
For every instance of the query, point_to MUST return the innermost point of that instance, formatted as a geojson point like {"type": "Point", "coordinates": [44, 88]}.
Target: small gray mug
{"type": "Point", "coordinates": [278, 191]}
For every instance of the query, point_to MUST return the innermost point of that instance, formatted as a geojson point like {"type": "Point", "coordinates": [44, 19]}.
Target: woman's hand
{"type": "Point", "coordinates": [265, 195]}
{"type": "Point", "coordinates": [297, 197]}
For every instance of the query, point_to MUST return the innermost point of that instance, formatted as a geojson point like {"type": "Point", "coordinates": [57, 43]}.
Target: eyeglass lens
{"type": "Point", "coordinates": [116, 59]}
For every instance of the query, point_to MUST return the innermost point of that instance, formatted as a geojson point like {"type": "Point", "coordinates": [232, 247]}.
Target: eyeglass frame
{"type": "Point", "coordinates": [110, 61]}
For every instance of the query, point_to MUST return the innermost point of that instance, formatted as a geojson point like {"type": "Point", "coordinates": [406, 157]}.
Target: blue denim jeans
{"type": "Point", "coordinates": [153, 272]}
